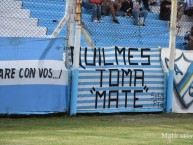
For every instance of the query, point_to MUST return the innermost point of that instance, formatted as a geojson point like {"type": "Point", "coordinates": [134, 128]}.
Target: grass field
{"type": "Point", "coordinates": [116, 129]}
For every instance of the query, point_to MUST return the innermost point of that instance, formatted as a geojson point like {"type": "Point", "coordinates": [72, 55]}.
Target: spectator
{"type": "Point", "coordinates": [180, 9]}
{"type": "Point", "coordinates": [117, 5]}
{"type": "Point", "coordinates": [139, 14]}
{"type": "Point", "coordinates": [188, 40]}
{"type": "Point", "coordinates": [146, 5]}
{"type": "Point", "coordinates": [127, 7]}
{"type": "Point", "coordinates": [95, 7]}
{"type": "Point", "coordinates": [112, 6]}
{"type": "Point", "coordinates": [165, 10]}
{"type": "Point", "coordinates": [188, 8]}
{"type": "Point", "coordinates": [153, 3]}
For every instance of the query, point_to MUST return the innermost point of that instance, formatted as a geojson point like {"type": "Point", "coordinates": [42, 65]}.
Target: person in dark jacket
{"type": "Point", "coordinates": [127, 7]}
{"type": "Point", "coordinates": [188, 9]}
{"type": "Point", "coordinates": [165, 10]}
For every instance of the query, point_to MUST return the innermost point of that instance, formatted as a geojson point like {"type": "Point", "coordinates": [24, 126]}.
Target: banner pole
{"type": "Point", "coordinates": [75, 69]}
{"type": "Point", "coordinates": [62, 21]}
{"type": "Point", "coordinates": [172, 47]}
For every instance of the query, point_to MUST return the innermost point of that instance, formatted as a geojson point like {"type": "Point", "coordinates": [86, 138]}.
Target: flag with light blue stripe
{"type": "Point", "coordinates": [33, 76]}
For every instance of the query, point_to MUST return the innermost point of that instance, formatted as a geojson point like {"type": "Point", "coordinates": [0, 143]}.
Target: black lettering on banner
{"type": "Point", "coordinates": [141, 76]}
{"type": "Point", "coordinates": [98, 94]}
{"type": "Point", "coordinates": [60, 74]}
{"type": "Point", "coordinates": [72, 53]}
{"type": "Point", "coordinates": [50, 73]}
{"type": "Point", "coordinates": [126, 92]}
{"type": "Point", "coordinates": [127, 73]}
{"type": "Point", "coordinates": [131, 56]}
{"type": "Point", "coordinates": [130, 77]}
{"type": "Point", "coordinates": [80, 60]}
{"type": "Point", "coordinates": [43, 72]}
{"type": "Point", "coordinates": [94, 57]}
{"type": "Point", "coordinates": [32, 72]}
{"type": "Point", "coordinates": [12, 73]}
{"type": "Point", "coordinates": [113, 99]}
{"type": "Point", "coordinates": [177, 70]}
{"type": "Point", "coordinates": [99, 56]}
{"type": "Point", "coordinates": [1, 73]}
{"type": "Point", "coordinates": [119, 51]}
{"type": "Point", "coordinates": [135, 99]}
{"type": "Point", "coordinates": [101, 76]}
{"type": "Point", "coordinates": [110, 77]}
{"type": "Point", "coordinates": [29, 72]}
{"type": "Point", "coordinates": [7, 73]}
{"type": "Point", "coordinates": [20, 73]}
{"type": "Point", "coordinates": [105, 63]}
{"type": "Point", "coordinates": [145, 56]}
{"type": "Point", "coordinates": [26, 72]}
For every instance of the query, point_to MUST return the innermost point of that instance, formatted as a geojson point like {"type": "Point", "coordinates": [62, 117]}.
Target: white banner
{"type": "Point", "coordinates": [183, 79]}
{"type": "Point", "coordinates": [33, 72]}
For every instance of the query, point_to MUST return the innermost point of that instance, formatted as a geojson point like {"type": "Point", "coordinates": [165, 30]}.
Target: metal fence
{"type": "Point", "coordinates": [30, 18]}
{"type": "Point", "coordinates": [40, 18]}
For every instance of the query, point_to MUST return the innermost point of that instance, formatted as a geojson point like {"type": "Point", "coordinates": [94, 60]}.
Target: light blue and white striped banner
{"type": "Point", "coordinates": [33, 77]}
{"type": "Point", "coordinates": [120, 79]}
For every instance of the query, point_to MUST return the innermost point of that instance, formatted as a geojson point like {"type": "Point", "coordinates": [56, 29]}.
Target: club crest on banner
{"type": "Point", "coordinates": [183, 75]}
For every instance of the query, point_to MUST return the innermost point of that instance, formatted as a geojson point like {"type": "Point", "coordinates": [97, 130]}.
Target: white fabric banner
{"type": "Point", "coordinates": [21, 72]}
{"type": "Point", "coordinates": [183, 79]}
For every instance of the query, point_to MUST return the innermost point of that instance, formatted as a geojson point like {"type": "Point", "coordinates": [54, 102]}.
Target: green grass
{"type": "Point", "coordinates": [117, 129]}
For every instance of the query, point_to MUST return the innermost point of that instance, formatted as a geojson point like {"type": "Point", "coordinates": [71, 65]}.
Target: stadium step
{"type": "Point", "coordinates": [125, 29]}
{"type": "Point", "coordinates": [127, 21]}
{"type": "Point", "coordinates": [22, 22]}
{"type": "Point", "coordinates": [43, 6]}
{"type": "Point", "coordinates": [48, 23]}
{"type": "Point", "coordinates": [10, 4]}
{"type": "Point", "coordinates": [17, 13]}
{"type": "Point", "coordinates": [14, 32]}
{"type": "Point", "coordinates": [46, 1]}
{"type": "Point", "coordinates": [55, 15]}
{"type": "Point", "coordinates": [24, 27]}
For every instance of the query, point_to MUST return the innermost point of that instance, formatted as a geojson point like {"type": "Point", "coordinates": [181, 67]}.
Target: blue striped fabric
{"type": "Point", "coordinates": [120, 79]}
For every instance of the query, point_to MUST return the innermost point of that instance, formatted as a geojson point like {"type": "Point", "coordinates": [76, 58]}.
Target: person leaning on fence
{"type": "Point", "coordinates": [111, 6]}
{"type": "Point", "coordinates": [165, 10]}
{"type": "Point", "coordinates": [188, 8]}
{"type": "Point", "coordinates": [127, 7]}
{"type": "Point", "coordinates": [188, 40]}
{"type": "Point", "coordinates": [139, 14]}
{"type": "Point", "coordinates": [95, 6]}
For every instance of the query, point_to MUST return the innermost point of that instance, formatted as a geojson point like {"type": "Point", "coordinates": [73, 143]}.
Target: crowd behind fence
{"type": "Point", "coordinates": [115, 26]}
